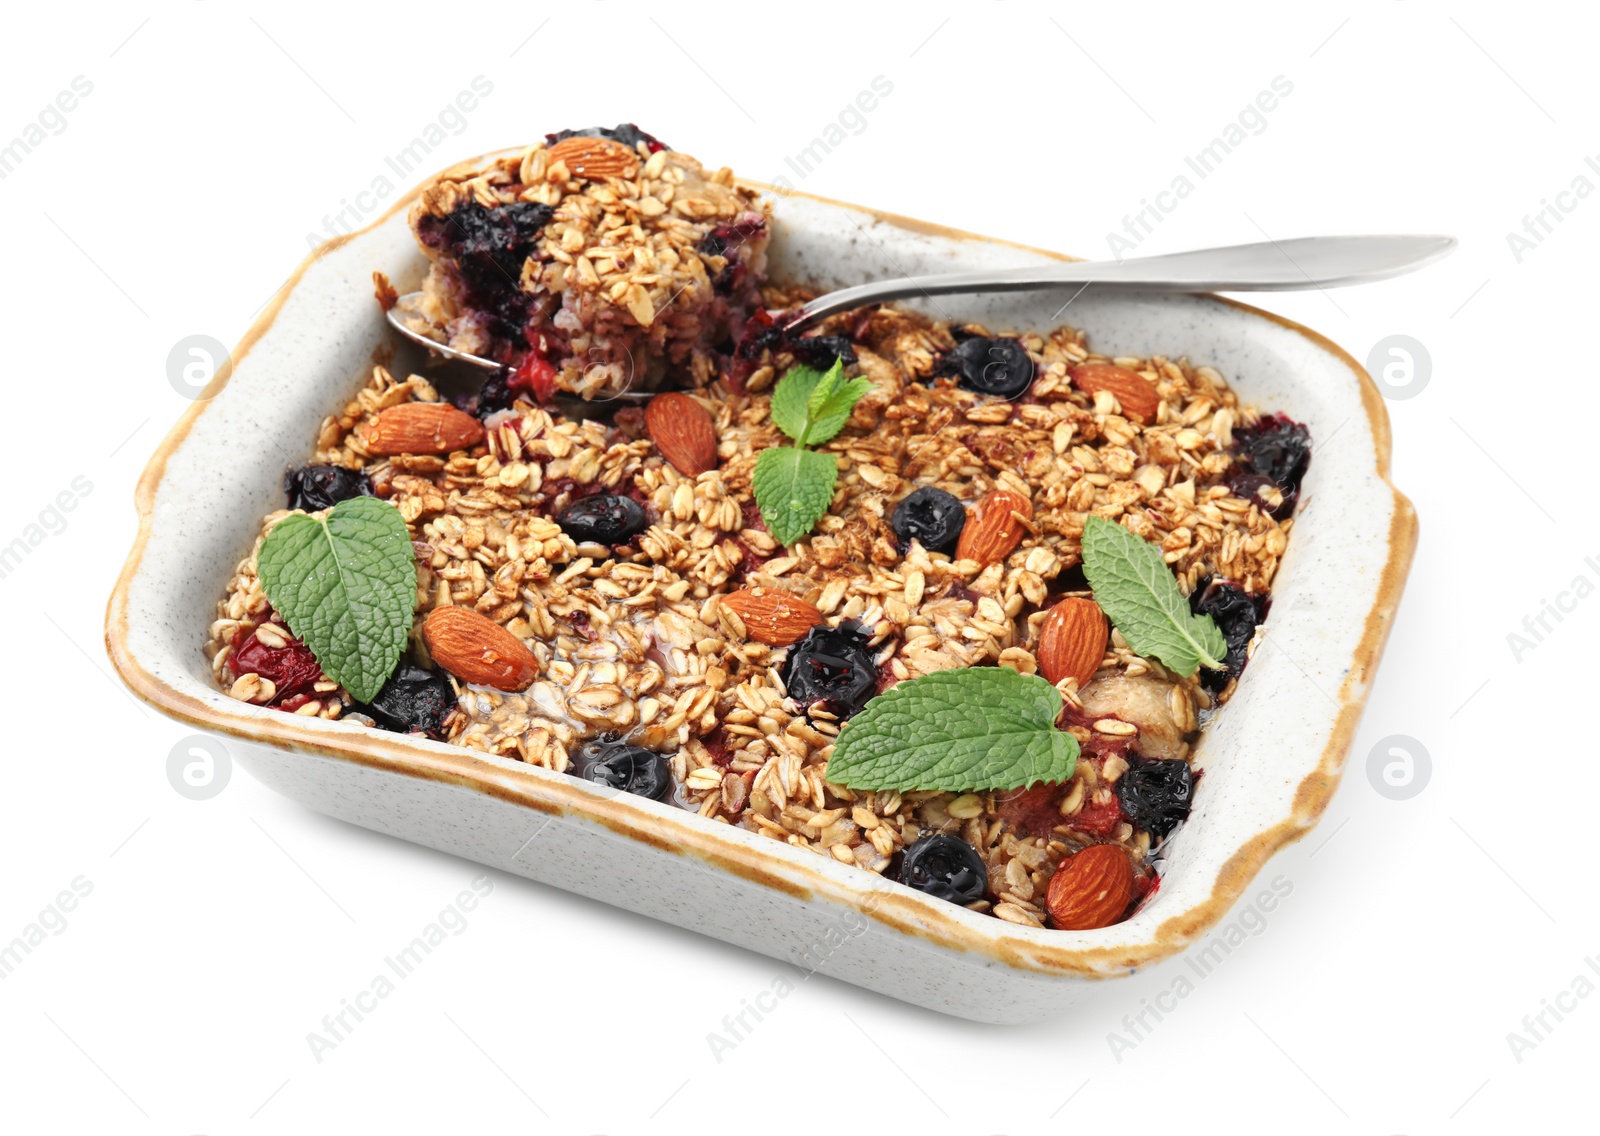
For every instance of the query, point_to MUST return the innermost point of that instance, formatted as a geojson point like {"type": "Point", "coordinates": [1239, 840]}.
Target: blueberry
{"type": "Point", "coordinates": [631, 768]}
{"type": "Point", "coordinates": [413, 701]}
{"type": "Point", "coordinates": [607, 519]}
{"type": "Point", "coordinates": [946, 868]}
{"type": "Point", "coordinates": [489, 245]}
{"type": "Point", "coordinates": [1277, 450]}
{"type": "Point", "coordinates": [1236, 613]}
{"type": "Point", "coordinates": [313, 487]}
{"type": "Point", "coordinates": [822, 351]}
{"type": "Point", "coordinates": [931, 516]}
{"type": "Point", "coordinates": [1155, 795]}
{"type": "Point", "coordinates": [1000, 367]}
{"type": "Point", "coordinates": [832, 665]}
{"type": "Point", "coordinates": [495, 394]}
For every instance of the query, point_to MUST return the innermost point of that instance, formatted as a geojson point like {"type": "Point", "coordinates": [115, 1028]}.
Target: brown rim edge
{"type": "Point", "coordinates": [908, 913]}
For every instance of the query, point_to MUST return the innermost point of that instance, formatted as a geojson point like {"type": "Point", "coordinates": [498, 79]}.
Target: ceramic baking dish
{"type": "Point", "coordinates": [1272, 756]}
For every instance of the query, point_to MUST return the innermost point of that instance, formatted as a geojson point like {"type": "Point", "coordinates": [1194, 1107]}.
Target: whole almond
{"type": "Point", "coordinates": [595, 157]}
{"type": "Point", "coordinates": [991, 532]}
{"type": "Point", "coordinates": [476, 649]}
{"type": "Point", "coordinates": [1073, 641]}
{"type": "Point", "coordinates": [1136, 394]}
{"type": "Point", "coordinates": [422, 428]}
{"type": "Point", "coordinates": [774, 618]}
{"type": "Point", "coordinates": [1091, 889]}
{"type": "Point", "coordinates": [683, 431]}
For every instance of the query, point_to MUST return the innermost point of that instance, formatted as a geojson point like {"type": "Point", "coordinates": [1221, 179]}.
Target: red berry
{"type": "Point", "coordinates": [292, 668]}
{"type": "Point", "coordinates": [1097, 818]}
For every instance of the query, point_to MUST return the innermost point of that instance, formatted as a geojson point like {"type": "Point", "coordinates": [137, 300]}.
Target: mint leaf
{"type": "Point", "coordinates": [1137, 591]}
{"type": "Point", "coordinates": [830, 404]}
{"type": "Point", "coordinates": [346, 583]}
{"type": "Point", "coordinates": [794, 487]}
{"type": "Point", "coordinates": [791, 399]}
{"type": "Point", "coordinates": [956, 731]}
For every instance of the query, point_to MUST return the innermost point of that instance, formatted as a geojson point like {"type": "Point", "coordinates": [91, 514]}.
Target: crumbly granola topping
{"type": "Point", "coordinates": [633, 641]}
{"type": "Point", "coordinates": [636, 266]}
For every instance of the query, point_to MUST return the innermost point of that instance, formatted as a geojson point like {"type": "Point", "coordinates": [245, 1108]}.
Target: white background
{"type": "Point", "coordinates": [1418, 934]}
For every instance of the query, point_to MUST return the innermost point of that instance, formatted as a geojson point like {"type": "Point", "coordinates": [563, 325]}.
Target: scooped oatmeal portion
{"type": "Point", "coordinates": [729, 600]}
{"type": "Point", "coordinates": [597, 262]}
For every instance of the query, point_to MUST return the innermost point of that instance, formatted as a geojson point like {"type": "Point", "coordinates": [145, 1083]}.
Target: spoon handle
{"type": "Point", "coordinates": [1269, 266]}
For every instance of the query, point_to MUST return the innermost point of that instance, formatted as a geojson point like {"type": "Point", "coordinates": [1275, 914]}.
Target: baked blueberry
{"type": "Point", "coordinates": [313, 487]}
{"type": "Point", "coordinates": [945, 867]}
{"type": "Point", "coordinates": [931, 516]}
{"type": "Point", "coordinates": [1236, 613]}
{"type": "Point", "coordinates": [413, 701]}
{"type": "Point", "coordinates": [1001, 367]}
{"type": "Point", "coordinates": [1156, 794]}
{"type": "Point", "coordinates": [490, 245]}
{"type": "Point", "coordinates": [631, 768]}
{"type": "Point", "coordinates": [606, 519]}
{"type": "Point", "coordinates": [1276, 449]}
{"type": "Point", "coordinates": [832, 665]}
{"type": "Point", "coordinates": [821, 351]}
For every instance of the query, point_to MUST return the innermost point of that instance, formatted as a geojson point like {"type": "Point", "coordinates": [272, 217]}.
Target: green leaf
{"type": "Point", "coordinates": [812, 406]}
{"type": "Point", "coordinates": [346, 583]}
{"type": "Point", "coordinates": [830, 404]}
{"type": "Point", "coordinates": [956, 731]}
{"type": "Point", "coordinates": [791, 400]}
{"type": "Point", "coordinates": [1137, 591]}
{"type": "Point", "coordinates": [794, 488]}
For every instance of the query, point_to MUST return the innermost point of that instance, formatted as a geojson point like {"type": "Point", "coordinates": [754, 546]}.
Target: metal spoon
{"type": "Point", "coordinates": [1269, 266]}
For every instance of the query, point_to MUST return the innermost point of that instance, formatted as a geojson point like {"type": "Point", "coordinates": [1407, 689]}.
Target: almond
{"type": "Point", "coordinates": [991, 532]}
{"type": "Point", "coordinates": [1091, 889]}
{"type": "Point", "coordinates": [774, 618]}
{"type": "Point", "coordinates": [1073, 641]}
{"type": "Point", "coordinates": [683, 431]}
{"type": "Point", "coordinates": [595, 158]}
{"type": "Point", "coordinates": [422, 428]}
{"type": "Point", "coordinates": [1136, 394]}
{"type": "Point", "coordinates": [476, 649]}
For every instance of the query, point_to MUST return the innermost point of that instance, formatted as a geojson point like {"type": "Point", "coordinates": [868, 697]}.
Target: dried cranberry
{"type": "Point", "coordinates": [1276, 448]}
{"type": "Point", "coordinates": [292, 668]}
{"type": "Point", "coordinates": [1034, 810]}
{"type": "Point", "coordinates": [945, 867]}
{"type": "Point", "coordinates": [413, 701]}
{"type": "Point", "coordinates": [603, 519]}
{"type": "Point", "coordinates": [1155, 794]}
{"type": "Point", "coordinates": [314, 487]}
{"type": "Point", "coordinates": [831, 665]}
{"type": "Point", "coordinates": [536, 375]}
{"type": "Point", "coordinates": [1096, 818]}
{"type": "Point", "coordinates": [1236, 613]}
{"type": "Point", "coordinates": [631, 768]}
{"type": "Point", "coordinates": [1000, 367]}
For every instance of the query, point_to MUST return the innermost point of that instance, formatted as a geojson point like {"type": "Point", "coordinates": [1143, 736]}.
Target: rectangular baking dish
{"type": "Point", "coordinates": [1272, 757]}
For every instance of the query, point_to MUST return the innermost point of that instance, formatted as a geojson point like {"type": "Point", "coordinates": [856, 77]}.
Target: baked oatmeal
{"type": "Point", "coordinates": [593, 263]}
{"type": "Point", "coordinates": [607, 599]}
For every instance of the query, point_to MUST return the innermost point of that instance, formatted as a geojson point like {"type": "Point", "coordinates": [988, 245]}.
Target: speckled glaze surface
{"type": "Point", "coordinates": [1272, 756]}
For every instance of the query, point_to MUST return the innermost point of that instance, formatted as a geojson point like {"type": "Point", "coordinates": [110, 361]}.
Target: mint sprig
{"type": "Point", "coordinates": [1139, 594]}
{"type": "Point", "coordinates": [346, 583]}
{"type": "Point", "coordinates": [956, 731]}
{"type": "Point", "coordinates": [793, 485]}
